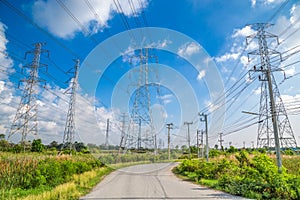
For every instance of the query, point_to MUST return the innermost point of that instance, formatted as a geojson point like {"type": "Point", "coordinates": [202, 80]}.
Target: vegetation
{"type": "Point", "coordinates": [25, 172]}
{"type": "Point", "coordinates": [252, 176]}
{"type": "Point", "coordinates": [32, 170]}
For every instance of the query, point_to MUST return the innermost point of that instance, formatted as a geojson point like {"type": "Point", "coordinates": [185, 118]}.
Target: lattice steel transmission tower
{"type": "Point", "coordinates": [275, 126]}
{"type": "Point", "coordinates": [25, 121]}
{"type": "Point", "coordinates": [69, 132]}
{"type": "Point", "coordinates": [141, 130]}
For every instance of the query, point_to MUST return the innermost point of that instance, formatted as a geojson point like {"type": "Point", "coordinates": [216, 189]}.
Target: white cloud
{"type": "Point", "coordinates": [257, 91]}
{"type": "Point", "coordinates": [51, 15]}
{"type": "Point", "coordinates": [253, 3]}
{"type": "Point", "coordinates": [201, 75]}
{"type": "Point", "coordinates": [188, 49]}
{"type": "Point", "coordinates": [244, 32]}
{"type": "Point", "coordinates": [290, 98]}
{"type": "Point", "coordinates": [8, 101]}
{"type": "Point", "coordinates": [6, 62]}
{"type": "Point", "coordinates": [211, 107]}
{"type": "Point", "coordinates": [290, 72]}
{"type": "Point", "coordinates": [244, 60]}
{"type": "Point", "coordinates": [265, 2]}
{"type": "Point", "coordinates": [227, 56]}
{"type": "Point", "coordinates": [295, 14]}
{"type": "Point", "coordinates": [161, 44]}
{"type": "Point", "coordinates": [127, 55]}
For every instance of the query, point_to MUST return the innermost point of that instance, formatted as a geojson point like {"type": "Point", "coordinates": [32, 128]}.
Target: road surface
{"type": "Point", "coordinates": [151, 181]}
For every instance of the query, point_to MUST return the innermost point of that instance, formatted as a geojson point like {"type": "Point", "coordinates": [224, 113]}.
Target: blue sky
{"type": "Point", "coordinates": [216, 30]}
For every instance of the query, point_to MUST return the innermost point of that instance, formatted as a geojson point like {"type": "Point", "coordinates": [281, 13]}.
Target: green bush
{"type": "Point", "coordinates": [255, 177]}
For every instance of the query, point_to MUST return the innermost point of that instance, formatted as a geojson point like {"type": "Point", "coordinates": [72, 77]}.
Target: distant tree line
{"type": "Point", "coordinates": [37, 146]}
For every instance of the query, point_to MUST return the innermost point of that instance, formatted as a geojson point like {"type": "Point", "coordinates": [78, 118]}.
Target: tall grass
{"type": "Point", "coordinates": [80, 185]}
{"type": "Point", "coordinates": [26, 173]}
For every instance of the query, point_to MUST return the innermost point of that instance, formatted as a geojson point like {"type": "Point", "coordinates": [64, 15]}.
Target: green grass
{"type": "Point", "coordinates": [209, 183]}
{"type": "Point", "coordinates": [80, 185]}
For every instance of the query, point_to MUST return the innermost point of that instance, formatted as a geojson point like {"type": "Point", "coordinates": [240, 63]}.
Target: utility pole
{"type": "Point", "coordinates": [169, 126]}
{"type": "Point", "coordinates": [203, 118]}
{"type": "Point", "coordinates": [106, 135]}
{"type": "Point", "coordinates": [25, 121]}
{"type": "Point", "coordinates": [273, 106]}
{"type": "Point", "coordinates": [202, 144]}
{"type": "Point", "coordinates": [139, 142]}
{"type": "Point", "coordinates": [221, 140]}
{"type": "Point", "coordinates": [198, 149]}
{"type": "Point", "coordinates": [69, 132]}
{"type": "Point", "coordinates": [189, 137]}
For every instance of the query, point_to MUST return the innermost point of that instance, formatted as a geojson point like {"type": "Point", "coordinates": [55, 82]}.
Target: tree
{"type": "Point", "coordinates": [79, 146]}
{"type": "Point", "coordinates": [53, 144]}
{"type": "Point", "coordinates": [2, 136]}
{"type": "Point", "coordinates": [232, 149]}
{"type": "Point", "coordinates": [184, 148]}
{"type": "Point", "coordinates": [37, 146]}
{"type": "Point", "coordinates": [4, 145]}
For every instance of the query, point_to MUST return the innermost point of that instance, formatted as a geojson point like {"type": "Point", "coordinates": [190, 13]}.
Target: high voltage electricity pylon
{"type": "Point", "coordinates": [25, 121]}
{"type": "Point", "coordinates": [275, 126]}
{"type": "Point", "coordinates": [141, 130]}
{"type": "Point", "coordinates": [69, 132]}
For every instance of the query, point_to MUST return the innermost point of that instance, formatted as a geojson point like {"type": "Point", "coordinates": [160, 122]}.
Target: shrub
{"type": "Point", "coordinates": [255, 177]}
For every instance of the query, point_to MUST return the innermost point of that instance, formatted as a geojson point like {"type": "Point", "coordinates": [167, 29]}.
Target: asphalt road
{"type": "Point", "coordinates": [151, 181]}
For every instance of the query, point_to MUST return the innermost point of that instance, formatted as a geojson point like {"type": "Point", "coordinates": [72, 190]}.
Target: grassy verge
{"type": "Point", "coordinates": [80, 185]}
{"type": "Point", "coordinates": [211, 183]}
{"type": "Point", "coordinates": [254, 177]}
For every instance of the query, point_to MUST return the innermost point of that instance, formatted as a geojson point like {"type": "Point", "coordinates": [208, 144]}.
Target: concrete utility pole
{"type": "Point", "coordinates": [169, 126]}
{"type": "Point", "coordinates": [139, 142]}
{"type": "Point", "coordinates": [189, 137]}
{"type": "Point", "coordinates": [221, 140]}
{"type": "Point", "coordinates": [106, 135]}
{"type": "Point", "coordinates": [198, 149]}
{"type": "Point", "coordinates": [202, 144]}
{"type": "Point", "coordinates": [203, 118]}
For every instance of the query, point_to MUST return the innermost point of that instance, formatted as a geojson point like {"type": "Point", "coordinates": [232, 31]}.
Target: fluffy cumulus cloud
{"type": "Point", "coordinates": [238, 39]}
{"type": "Point", "coordinates": [8, 101]}
{"type": "Point", "coordinates": [64, 18]}
{"type": "Point", "coordinates": [244, 32]}
{"type": "Point", "coordinates": [188, 49]}
{"type": "Point", "coordinates": [227, 56]}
